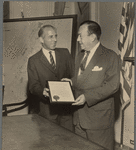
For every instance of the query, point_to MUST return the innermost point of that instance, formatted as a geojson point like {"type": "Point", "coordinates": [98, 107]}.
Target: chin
{"type": "Point", "coordinates": [53, 48]}
{"type": "Point", "coordinates": [81, 46]}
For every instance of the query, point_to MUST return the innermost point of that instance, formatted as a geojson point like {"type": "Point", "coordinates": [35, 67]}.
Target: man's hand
{"type": "Point", "coordinates": [45, 92]}
{"type": "Point", "coordinates": [80, 100]}
{"type": "Point", "coordinates": [66, 79]}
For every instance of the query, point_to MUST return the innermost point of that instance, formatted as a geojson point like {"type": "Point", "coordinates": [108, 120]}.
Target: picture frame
{"type": "Point", "coordinates": [21, 41]}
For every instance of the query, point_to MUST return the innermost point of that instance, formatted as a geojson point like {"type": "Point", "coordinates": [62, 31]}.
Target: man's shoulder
{"type": "Point", "coordinates": [108, 51]}
{"type": "Point", "coordinates": [36, 55]}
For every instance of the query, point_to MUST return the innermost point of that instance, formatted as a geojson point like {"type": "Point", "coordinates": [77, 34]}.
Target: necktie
{"type": "Point", "coordinates": [52, 61]}
{"type": "Point", "coordinates": [83, 63]}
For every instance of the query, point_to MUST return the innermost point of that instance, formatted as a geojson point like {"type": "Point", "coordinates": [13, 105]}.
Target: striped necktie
{"type": "Point", "coordinates": [52, 60]}
{"type": "Point", "coordinates": [83, 63]}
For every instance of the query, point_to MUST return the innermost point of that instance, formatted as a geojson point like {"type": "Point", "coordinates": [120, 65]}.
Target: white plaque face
{"type": "Point", "coordinates": [60, 92]}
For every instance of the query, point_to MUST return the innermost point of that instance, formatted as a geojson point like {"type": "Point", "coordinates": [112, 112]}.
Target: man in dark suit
{"type": "Point", "coordinates": [96, 80]}
{"type": "Point", "coordinates": [50, 64]}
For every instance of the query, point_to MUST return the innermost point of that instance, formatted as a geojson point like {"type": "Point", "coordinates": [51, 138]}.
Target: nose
{"type": "Point", "coordinates": [78, 38]}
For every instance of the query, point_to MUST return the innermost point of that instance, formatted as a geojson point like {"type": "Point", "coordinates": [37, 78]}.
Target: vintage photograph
{"type": "Point", "coordinates": [68, 75]}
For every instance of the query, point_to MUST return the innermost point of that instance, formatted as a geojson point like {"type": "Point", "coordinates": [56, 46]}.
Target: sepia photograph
{"type": "Point", "coordinates": [68, 75]}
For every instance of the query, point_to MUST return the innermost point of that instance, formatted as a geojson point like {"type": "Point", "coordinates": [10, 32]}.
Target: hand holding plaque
{"type": "Point", "coordinates": [45, 92]}
{"type": "Point", "coordinates": [60, 92]}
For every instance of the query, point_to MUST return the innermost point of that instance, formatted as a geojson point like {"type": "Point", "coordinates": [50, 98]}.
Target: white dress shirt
{"type": "Point", "coordinates": [47, 54]}
{"type": "Point", "coordinates": [92, 51]}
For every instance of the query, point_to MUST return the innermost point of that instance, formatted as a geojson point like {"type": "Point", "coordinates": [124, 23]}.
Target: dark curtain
{"type": "Point", "coordinates": [6, 10]}
{"type": "Point", "coordinates": [59, 8]}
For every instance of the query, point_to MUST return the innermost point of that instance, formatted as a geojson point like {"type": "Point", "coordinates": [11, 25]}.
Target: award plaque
{"type": "Point", "coordinates": [60, 91]}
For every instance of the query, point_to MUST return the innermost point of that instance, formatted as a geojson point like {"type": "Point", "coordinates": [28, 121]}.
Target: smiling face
{"type": "Point", "coordinates": [49, 38]}
{"type": "Point", "coordinates": [85, 40]}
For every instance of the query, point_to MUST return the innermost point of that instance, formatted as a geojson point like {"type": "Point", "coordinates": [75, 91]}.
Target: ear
{"type": "Point", "coordinates": [93, 37]}
{"type": "Point", "coordinates": [41, 39]}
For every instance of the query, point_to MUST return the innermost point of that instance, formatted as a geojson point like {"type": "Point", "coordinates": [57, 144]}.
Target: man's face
{"type": "Point", "coordinates": [83, 38]}
{"type": "Point", "coordinates": [49, 38]}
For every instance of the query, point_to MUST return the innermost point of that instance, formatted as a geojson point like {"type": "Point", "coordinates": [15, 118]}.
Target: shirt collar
{"type": "Point", "coordinates": [95, 47]}
{"type": "Point", "coordinates": [47, 51]}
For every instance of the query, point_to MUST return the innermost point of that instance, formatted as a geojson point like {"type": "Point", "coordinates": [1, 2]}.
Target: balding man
{"type": "Point", "coordinates": [50, 63]}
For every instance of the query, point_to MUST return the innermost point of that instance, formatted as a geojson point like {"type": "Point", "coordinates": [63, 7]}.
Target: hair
{"type": "Point", "coordinates": [40, 33]}
{"type": "Point", "coordinates": [93, 27]}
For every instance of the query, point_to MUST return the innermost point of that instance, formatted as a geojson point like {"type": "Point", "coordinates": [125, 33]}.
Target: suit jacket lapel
{"type": "Point", "coordinates": [77, 65]}
{"type": "Point", "coordinates": [90, 66]}
{"type": "Point", "coordinates": [46, 62]}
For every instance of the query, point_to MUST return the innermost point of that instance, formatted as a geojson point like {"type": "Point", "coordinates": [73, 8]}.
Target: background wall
{"type": "Point", "coordinates": [108, 15]}
{"type": "Point", "coordinates": [30, 9]}
{"type": "Point", "coordinates": [109, 19]}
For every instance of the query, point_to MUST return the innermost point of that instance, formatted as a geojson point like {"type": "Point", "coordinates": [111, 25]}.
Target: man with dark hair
{"type": "Point", "coordinates": [50, 63]}
{"type": "Point", "coordinates": [96, 80]}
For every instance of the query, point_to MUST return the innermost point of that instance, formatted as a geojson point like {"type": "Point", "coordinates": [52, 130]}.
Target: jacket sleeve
{"type": "Point", "coordinates": [109, 86]}
{"type": "Point", "coordinates": [33, 81]}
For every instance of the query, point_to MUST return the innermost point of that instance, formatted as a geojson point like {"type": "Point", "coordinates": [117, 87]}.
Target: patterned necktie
{"type": "Point", "coordinates": [52, 61]}
{"type": "Point", "coordinates": [83, 63]}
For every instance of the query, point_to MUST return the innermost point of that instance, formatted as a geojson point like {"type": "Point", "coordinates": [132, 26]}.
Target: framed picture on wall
{"type": "Point", "coordinates": [20, 41]}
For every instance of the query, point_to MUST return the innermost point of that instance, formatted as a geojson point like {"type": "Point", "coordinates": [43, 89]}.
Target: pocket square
{"type": "Point", "coordinates": [96, 68]}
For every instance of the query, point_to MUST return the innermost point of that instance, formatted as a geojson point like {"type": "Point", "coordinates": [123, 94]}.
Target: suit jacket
{"type": "Point", "coordinates": [40, 71]}
{"type": "Point", "coordinates": [98, 83]}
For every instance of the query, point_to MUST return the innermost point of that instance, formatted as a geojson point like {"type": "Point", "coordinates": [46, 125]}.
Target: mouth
{"type": "Point", "coordinates": [54, 44]}
{"type": "Point", "coordinates": [81, 44]}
